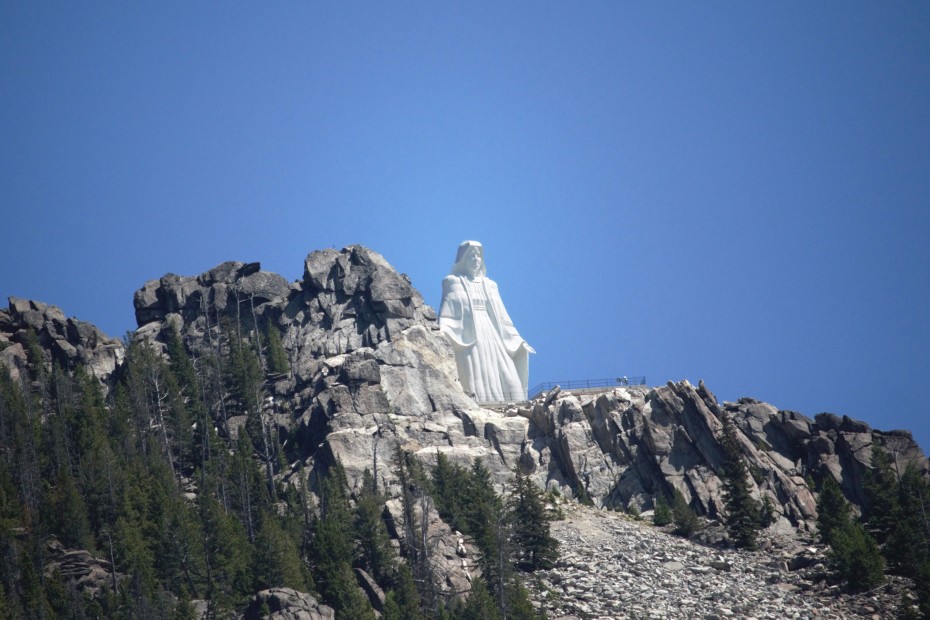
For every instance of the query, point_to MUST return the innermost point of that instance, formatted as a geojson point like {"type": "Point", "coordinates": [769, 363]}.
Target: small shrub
{"type": "Point", "coordinates": [663, 512]}
{"type": "Point", "coordinates": [686, 520]}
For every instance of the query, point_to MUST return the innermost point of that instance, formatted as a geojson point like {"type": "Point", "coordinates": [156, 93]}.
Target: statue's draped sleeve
{"type": "Point", "coordinates": [455, 318]}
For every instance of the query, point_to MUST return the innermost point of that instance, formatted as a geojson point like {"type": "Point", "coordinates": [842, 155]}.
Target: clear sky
{"type": "Point", "coordinates": [731, 191]}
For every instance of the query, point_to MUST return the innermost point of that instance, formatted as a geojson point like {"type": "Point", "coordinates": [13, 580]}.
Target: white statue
{"type": "Point", "coordinates": [491, 356]}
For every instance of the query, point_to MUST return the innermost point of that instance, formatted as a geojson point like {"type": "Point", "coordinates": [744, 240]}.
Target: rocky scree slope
{"type": "Point", "coordinates": [369, 372]}
{"type": "Point", "coordinates": [612, 566]}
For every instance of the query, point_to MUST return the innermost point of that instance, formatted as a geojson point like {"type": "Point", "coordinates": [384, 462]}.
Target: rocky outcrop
{"type": "Point", "coordinates": [452, 557]}
{"type": "Point", "coordinates": [198, 305]}
{"type": "Point", "coordinates": [65, 341]}
{"type": "Point", "coordinates": [369, 373]}
{"type": "Point", "coordinates": [87, 574]}
{"type": "Point", "coordinates": [624, 446]}
{"type": "Point", "coordinates": [287, 604]}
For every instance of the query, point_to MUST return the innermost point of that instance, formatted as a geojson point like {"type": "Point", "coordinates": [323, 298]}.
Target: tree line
{"type": "Point", "coordinates": [891, 534]}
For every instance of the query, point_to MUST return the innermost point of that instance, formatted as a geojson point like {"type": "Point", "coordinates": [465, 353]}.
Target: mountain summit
{"type": "Point", "coordinates": [246, 394]}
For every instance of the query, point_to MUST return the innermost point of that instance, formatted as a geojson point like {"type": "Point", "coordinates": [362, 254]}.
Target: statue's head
{"type": "Point", "coordinates": [469, 259]}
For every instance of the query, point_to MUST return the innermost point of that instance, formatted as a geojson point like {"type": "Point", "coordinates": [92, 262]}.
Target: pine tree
{"type": "Point", "coordinates": [276, 562]}
{"type": "Point", "coordinates": [248, 494]}
{"type": "Point", "coordinates": [403, 601]}
{"type": "Point", "coordinates": [134, 555]}
{"type": "Point", "coordinates": [922, 588]}
{"type": "Point", "coordinates": [333, 550]}
{"type": "Point", "coordinates": [374, 544]}
{"type": "Point", "coordinates": [662, 514]}
{"type": "Point", "coordinates": [856, 557]}
{"type": "Point", "coordinates": [187, 405]}
{"type": "Point", "coordinates": [180, 563]}
{"type": "Point", "coordinates": [832, 509]}
{"type": "Point", "coordinates": [66, 515]}
{"type": "Point", "coordinates": [276, 355]}
{"type": "Point", "coordinates": [450, 491]}
{"type": "Point", "coordinates": [881, 487]}
{"type": "Point", "coordinates": [686, 521]}
{"type": "Point", "coordinates": [912, 540]}
{"type": "Point", "coordinates": [478, 606]}
{"type": "Point", "coordinates": [854, 554]}
{"type": "Point", "coordinates": [519, 606]}
{"type": "Point", "coordinates": [416, 504]}
{"type": "Point", "coordinates": [530, 525]}
{"type": "Point", "coordinates": [227, 553]}
{"type": "Point", "coordinates": [744, 515]}
{"type": "Point", "coordinates": [391, 609]}
{"type": "Point", "coordinates": [488, 525]}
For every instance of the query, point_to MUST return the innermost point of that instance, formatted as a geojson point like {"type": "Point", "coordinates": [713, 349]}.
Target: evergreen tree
{"type": "Point", "coordinates": [686, 521]}
{"type": "Point", "coordinates": [488, 525]}
{"type": "Point", "coordinates": [134, 555]}
{"type": "Point", "coordinates": [227, 553]}
{"type": "Point", "coordinates": [276, 355]}
{"type": "Point", "coordinates": [100, 476]}
{"type": "Point", "coordinates": [416, 504]}
{"type": "Point", "coordinates": [744, 516]}
{"type": "Point", "coordinates": [66, 513]}
{"type": "Point", "coordinates": [854, 554]}
{"type": "Point", "coordinates": [450, 492]}
{"type": "Point", "coordinates": [530, 525]}
{"type": "Point", "coordinates": [187, 405]}
{"type": "Point", "coordinates": [922, 588]}
{"type": "Point", "coordinates": [519, 606]}
{"type": "Point", "coordinates": [374, 544]}
{"type": "Point", "coordinates": [333, 550]}
{"type": "Point", "coordinates": [180, 562]}
{"type": "Point", "coordinates": [832, 509]}
{"type": "Point", "coordinates": [248, 494]}
{"type": "Point", "coordinates": [276, 562]}
{"type": "Point", "coordinates": [881, 487]}
{"type": "Point", "coordinates": [246, 381]}
{"type": "Point", "coordinates": [856, 557]}
{"type": "Point", "coordinates": [403, 601]}
{"type": "Point", "coordinates": [478, 606]}
{"type": "Point", "coordinates": [662, 515]}
{"type": "Point", "coordinates": [911, 549]}
{"type": "Point", "coordinates": [391, 609]}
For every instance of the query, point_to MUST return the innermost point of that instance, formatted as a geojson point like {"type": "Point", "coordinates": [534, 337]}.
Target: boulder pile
{"type": "Point", "coordinates": [612, 566]}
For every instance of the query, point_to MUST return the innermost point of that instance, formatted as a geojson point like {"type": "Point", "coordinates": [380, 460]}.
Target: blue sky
{"type": "Point", "coordinates": [734, 192]}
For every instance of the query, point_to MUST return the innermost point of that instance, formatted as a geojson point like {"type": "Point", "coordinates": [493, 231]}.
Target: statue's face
{"type": "Point", "coordinates": [473, 260]}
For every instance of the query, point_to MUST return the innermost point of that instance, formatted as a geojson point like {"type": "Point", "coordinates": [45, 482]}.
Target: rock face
{"type": "Point", "coordinates": [65, 341]}
{"type": "Point", "coordinates": [287, 604]}
{"type": "Point", "coordinates": [232, 289]}
{"type": "Point", "coordinates": [625, 445]}
{"type": "Point", "coordinates": [370, 373]}
{"type": "Point", "coordinates": [77, 566]}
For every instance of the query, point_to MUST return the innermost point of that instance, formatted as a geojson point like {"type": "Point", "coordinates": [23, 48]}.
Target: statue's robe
{"type": "Point", "coordinates": [457, 322]}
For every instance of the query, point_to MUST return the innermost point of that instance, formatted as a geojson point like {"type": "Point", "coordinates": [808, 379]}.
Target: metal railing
{"type": "Point", "coordinates": [539, 389]}
{"type": "Point", "coordinates": [583, 384]}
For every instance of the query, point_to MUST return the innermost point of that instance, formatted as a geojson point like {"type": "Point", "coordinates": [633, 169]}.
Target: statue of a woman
{"type": "Point", "coordinates": [491, 356]}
